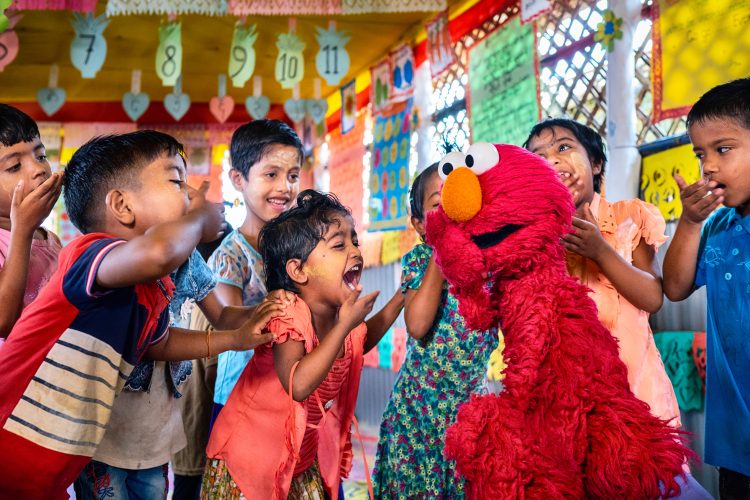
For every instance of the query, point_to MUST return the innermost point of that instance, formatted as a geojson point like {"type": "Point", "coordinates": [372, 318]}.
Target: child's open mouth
{"type": "Point", "coordinates": [278, 203]}
{"type": "Point", "coordinates": [351, 276]}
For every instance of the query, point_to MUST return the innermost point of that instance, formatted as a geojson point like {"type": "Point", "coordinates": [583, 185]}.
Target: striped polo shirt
{"type": "Point", "coordinates": [64, 362]}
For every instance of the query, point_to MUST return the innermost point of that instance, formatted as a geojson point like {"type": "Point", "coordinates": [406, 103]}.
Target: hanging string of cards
{"type": "Point", "coordinates": [88, 52]}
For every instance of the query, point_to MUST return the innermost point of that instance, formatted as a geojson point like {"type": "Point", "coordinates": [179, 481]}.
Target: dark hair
{"type": "Point", "coordinates": [416, 193]}
{"type": "Point", "coordinates": [16, 126]}
{"type": "Point", "coordinates": [588, 137]}
{"type": "Point", "coordinates": [106, 163]}
{"type": "Point", "coordinates": [294, 234]}
{"type": "Point", "coordinates": [252, 141]}
{"type": "Point", "coordinates": [729, 100]}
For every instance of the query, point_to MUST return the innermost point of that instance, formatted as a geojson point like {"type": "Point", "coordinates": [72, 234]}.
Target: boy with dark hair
{"type": "Point", "coordinates": [73, 349]}
{"type": "Point", "coordinates": [266, 159]}
{"type": "Point", "coordinates": [718, 256]}
{"type": "Point", "coordinates": [28, 191]}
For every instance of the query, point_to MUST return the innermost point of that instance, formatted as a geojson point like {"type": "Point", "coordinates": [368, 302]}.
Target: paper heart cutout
{"type": "Point", "coordinates": [177, 105]}
{"type": "Point", "coordinates": [221, 107]}
{"type": "Point", "coordinates": [135, 104]}
{"type": "Point", "coordinates": [51, 100]}
{"type": "Point", "coordinates": [316, 109]}
{"type": "Point", "coordinates": [295, 109]}
{"type": "Point", "coordinates": [258, 107]}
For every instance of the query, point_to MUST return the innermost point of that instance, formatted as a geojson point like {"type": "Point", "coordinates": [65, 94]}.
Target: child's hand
{"type": "Point", "coordinates": [698, 199]}
{"type": "Point", "coordinates": [585, 239]}
{"type": "Point", "coordinates": [27, 212]}
{"type": "Point", "coordinates": [355, 310]}
{"type": "Point", "coordinates": [571, 181]}
{"type": "Point", "coordinates": [284, 296]}
{"type": "Point", "coordinates": [251, 335]}
{"type": "Point", "coordinates": [213, 213]}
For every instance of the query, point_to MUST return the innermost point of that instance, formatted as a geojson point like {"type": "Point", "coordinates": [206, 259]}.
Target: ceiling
{"type": "Point", "coordinates": [45, 38]}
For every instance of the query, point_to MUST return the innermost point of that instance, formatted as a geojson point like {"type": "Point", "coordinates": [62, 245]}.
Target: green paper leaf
{"type": "Point", "coordinates": [3, 22]}
{"type": "Point", "coordinates": [4, 4]}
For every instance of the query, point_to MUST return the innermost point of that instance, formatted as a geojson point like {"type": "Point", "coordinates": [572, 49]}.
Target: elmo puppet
{"type": "Point", "coordinates": [566, 424]}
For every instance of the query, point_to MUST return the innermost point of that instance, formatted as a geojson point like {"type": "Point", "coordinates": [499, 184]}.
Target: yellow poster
{"type": "Point", "coordinates": [698, 44]}
{"type": "Point", "coordinates": [658, 186]}
{"type": "Point", "coordinates": [391, 250]}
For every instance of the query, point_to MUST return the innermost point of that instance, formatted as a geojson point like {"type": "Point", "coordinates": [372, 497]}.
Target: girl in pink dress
{"type": "Point", "coordinates": [612, 249]}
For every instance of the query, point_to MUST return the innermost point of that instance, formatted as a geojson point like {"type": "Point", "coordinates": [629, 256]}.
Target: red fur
{"type": "Point", "coordinates": [566, 424]}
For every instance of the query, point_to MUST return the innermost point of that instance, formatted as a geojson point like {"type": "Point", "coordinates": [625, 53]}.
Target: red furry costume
{"type": "Point", "coordinates": [566, 424]}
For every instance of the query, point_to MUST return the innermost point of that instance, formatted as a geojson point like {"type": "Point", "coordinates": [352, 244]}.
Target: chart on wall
{"type": "Point", "coordinates": [697, 45]}
{"type": "Point", "coordinates": [389, 174]}
{"type": "Point", "coordinates": [503, 85]}
{"type": "Point", "coordinates": [658, 186]}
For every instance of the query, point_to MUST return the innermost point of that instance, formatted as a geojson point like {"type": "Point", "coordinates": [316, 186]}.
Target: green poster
{"type": "Point", "coordinates": [503, 103]}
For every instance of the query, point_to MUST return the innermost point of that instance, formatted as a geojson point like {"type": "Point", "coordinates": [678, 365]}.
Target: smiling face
{"type": "Point", "coordinates": [569, 157]}
{"type": "Point", "coordinates": [272, 183]}
{"type": "Point", "coordinates": [24, 161]}
{"type": "Point", "coordinates": [334, 267]}
{"type": "Point", "coordinates": [723, 147]}
{"type": "Point", "coordinates": [502, 215]}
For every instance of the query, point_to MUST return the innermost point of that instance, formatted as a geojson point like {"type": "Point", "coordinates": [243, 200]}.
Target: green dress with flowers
{"type": "Point", "coordinates": [440, 372]}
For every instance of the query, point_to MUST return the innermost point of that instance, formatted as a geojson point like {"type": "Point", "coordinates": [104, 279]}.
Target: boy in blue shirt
{"type": "Point", "coordinates": [718, 256]}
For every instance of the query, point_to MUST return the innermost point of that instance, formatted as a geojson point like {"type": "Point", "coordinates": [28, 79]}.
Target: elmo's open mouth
{"type": "Point", "coordinates": [487, 240]}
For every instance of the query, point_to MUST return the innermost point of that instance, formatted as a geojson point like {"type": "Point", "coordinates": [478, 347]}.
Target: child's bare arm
{"type": "Point", "coordinates": [26, 214]}
{"type": "Point", "coordinates": [680, 262]}
{"type": "Point", "coordinates": [639, 282]}
{"type": "Point", "coordinates": [314, 366]}
{"type": "Point", "coordinates": [183, 344]}
{"type": "Point", "coordinates": [382, 321]}
{"type": "Point", "coordinates": [422, 304]}
{"type": "Point", "coordinates": [230, 316]}
{"type": "Point", "coordinates": [162, 248]}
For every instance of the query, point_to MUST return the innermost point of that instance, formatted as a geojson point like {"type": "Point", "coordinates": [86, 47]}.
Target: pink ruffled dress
{"type": "Point", "coordinates": [624, 224]}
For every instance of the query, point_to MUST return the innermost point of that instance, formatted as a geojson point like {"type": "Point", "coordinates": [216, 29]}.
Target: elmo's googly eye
{"type": "Point", "coordinates": [450, 162]}
{"type": "Point", "coordinates": [481, 157]}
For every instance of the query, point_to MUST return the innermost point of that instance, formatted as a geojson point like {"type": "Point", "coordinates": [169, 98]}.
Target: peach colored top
{"type": "Point", "coordinates": [623, 225]}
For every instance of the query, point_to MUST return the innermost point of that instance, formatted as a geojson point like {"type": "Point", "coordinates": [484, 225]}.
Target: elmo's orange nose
{"type": "Point", "coordinates": [462, 195]}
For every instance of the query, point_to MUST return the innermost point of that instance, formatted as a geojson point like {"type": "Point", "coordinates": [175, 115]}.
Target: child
{"type": "Point", "coordinates": [266, 157]}
{"type": "Point", "coordinates": [28, 191]}
{"type": "Point", "coordinates": [285, 431]}
{"type": "Point", "coordinates": [445, 363]}
{"type": "Point", "coordinates": [718, 256]}
{"type": "Point", "coordinates": [612, 249]}
{"type": "Point", "coordinates": [73, 348]}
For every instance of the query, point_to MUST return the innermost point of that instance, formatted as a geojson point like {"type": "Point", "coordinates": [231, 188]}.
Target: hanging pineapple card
{"type": "Point", "coordinates": [332, 60]}
{"type": "Point", "coordinates": [169, 53]}
{"type": "Point", "coordinates": [89, 48]}
{"type": "Point", "coordinates": [242, 54]}
{"type": "Point", "coordinates": [290, 65]}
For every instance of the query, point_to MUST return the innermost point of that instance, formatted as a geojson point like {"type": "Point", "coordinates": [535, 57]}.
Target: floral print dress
{"type": "Point", "coordinates": [440, 372]}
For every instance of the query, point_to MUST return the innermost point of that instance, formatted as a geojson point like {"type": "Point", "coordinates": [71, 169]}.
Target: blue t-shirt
{"type": "Point", "coordinates": [724, 268]}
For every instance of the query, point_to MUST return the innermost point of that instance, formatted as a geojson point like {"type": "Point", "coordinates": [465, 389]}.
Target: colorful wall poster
{"type": "Point", "coordinates": [389, 173]}
{"type": "Point", "coordinates": [658, 186]}
{"type": "Point", "coordinates": [698, 44]}
{"type": "Point", "coordinates": [504, 85]}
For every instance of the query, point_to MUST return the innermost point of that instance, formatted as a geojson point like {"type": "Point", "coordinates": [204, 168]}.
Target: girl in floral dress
{"type": "Point", "coordinates": [445, 363]}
